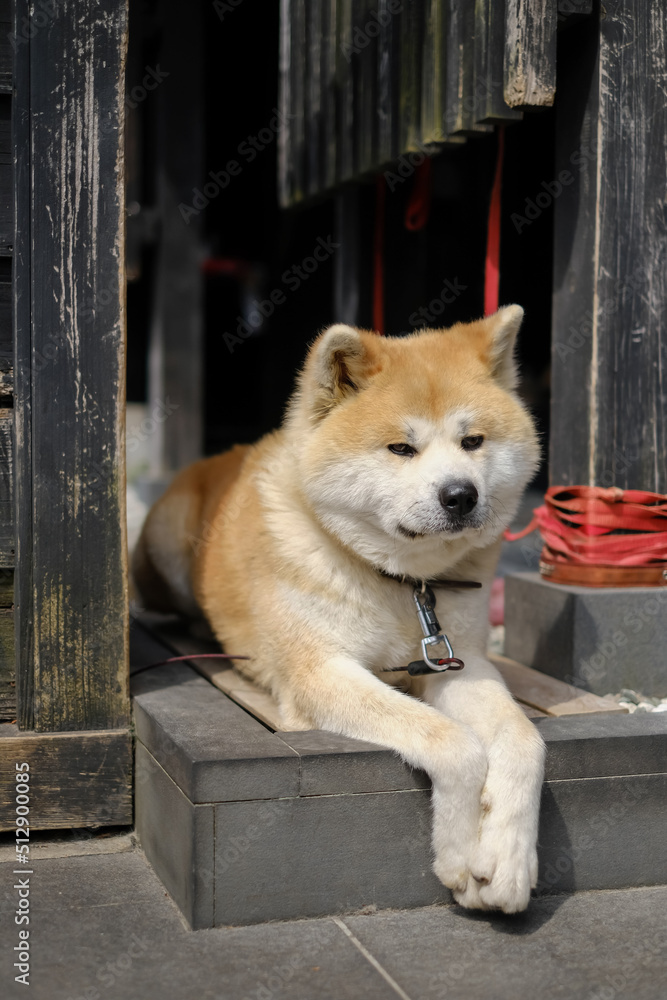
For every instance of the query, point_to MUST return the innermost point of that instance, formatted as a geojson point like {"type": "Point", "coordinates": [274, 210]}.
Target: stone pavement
{"type": "Point", "coordinates": [103, 928]}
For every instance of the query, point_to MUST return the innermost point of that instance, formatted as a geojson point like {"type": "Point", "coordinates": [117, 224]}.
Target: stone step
{"type": "Point", "coordinates": [244, 825]}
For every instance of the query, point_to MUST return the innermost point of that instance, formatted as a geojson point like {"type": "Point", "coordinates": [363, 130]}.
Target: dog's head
{"type": "Point", "coordinates": [409, 446]}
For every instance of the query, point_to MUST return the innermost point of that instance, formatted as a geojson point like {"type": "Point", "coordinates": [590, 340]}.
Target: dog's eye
{"type": "Point", "coordinates": [472, 443]}
{"type": "Point", "coordinates": [402, 449]}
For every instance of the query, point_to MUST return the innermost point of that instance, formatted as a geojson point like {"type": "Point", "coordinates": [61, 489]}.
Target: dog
{"type": "Point", "coordinates": [398, 465]}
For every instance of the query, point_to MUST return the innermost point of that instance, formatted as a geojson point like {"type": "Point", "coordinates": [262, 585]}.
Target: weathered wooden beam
{"type": "Point", "coordinates": [7, 536]}
{"type": "Point", "coordinates": [489, 106]}
{"type": "Point", "coordinates": [328, 132]}
{"type": "Point", "coordinates": [530, 52]}
{"type": "Point", "coordinates": [387, 85]}
{"type": "Point", "coordinates": [434, 53]}
{"type": "Point", "coordinates": [6, 346]}
{"type": "Point", "coordinates": [460, 104]}
{"type": "Point", "coordinates": [313, 96]}
{"type": "Point", "coordinates": [72, 668]}
{"type": "Point", "coordinates": [7, 656]}
{"type": "Point", "coordinates": [6, 177]}
{"type": "Point", "coordinates": [566, 8]}
{"type": "Point", "coordinates": [76, 779]}
{"type": "Point", "coordinates": [365, 80]}
{"type": "Point", "coordinates": [609, 370]}
{"type": "Point", "coordinates": [285, 190]}
{"type": "Point", "coordinates": [346, 155]}
{"type": "Point", "coordinates": [8, 42]}
{"type": "Point", "coordinates": [410, 76]}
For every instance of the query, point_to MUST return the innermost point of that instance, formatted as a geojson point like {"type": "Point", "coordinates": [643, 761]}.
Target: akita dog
{"type": "Point", "coordinates": [398, 465]}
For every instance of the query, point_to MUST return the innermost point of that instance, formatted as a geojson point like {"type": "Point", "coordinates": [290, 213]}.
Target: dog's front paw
{"type": "Point", "coordinates": [514, 874]}
{"type": "Point", "coordinates": [505, 885]}
{"type": "Point", "coordinates": [504, 863]}
{"type": "Point", "coordinates": [456, 814]}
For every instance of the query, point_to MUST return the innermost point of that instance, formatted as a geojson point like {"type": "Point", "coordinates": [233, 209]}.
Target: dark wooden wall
{"type": "Point", "coordinates": [363, 83]}
{"type": "Point", "coordinates": [609, 370]}
{"type": "Point", "coordinates": [69, 405]}
{"type": "Point", "coordinates": [7, 545]}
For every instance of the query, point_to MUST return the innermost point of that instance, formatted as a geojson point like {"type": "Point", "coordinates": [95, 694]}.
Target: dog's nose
{"type": "Point", "coordinates": [459, 497]}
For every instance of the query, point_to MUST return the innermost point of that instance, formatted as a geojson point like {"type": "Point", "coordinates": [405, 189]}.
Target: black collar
{"type": "Point", "coordinates": [417, 584]}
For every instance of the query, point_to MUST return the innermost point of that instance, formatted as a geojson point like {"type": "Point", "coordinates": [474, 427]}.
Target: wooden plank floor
{"type": "Point", "coordinates": [537, 693]}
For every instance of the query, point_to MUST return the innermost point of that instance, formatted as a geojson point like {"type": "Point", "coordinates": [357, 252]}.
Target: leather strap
{"type": "Point", "coordinates": [415, 583]}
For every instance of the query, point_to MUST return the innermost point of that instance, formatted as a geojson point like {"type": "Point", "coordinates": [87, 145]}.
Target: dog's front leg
{"type": "Point", "coordinates": [505, 860]}
{"type": "Point", "coordinates": [340, 695]}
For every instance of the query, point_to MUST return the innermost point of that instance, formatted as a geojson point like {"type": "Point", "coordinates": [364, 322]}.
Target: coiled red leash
{"type": "Point", "coordinates": [492, 263]}
{"type": "Point", "coordinates": [599, 537]}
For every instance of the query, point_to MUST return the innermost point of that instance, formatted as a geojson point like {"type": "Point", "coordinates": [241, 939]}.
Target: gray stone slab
{"type": "Point", "coordinates": [323, 855]}
{"type": "Point", "coordinates": [591, 946]}
{"type": "Point", "coordinates": [212, 748]}
{"type": "Point", "coordinates": [602, 639]}
{"type": "Point", "coordinates": [332, 764]}
{"type": "Point", "coordinates": [104, 929]}
{"type": "Point", "coordinates": [603, 833]}
{"type": "Point", "coordinates": [591, 746]}
{"type": "Point", "coordinates": [177, 838]}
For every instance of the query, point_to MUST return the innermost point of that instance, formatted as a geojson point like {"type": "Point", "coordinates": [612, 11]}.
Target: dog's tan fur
{"type": "Point", "coordinates": [280, 545]}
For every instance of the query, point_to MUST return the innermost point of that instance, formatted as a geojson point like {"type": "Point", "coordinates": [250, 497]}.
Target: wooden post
{"type": "Point", "coordinates": [609, 370]}
{"type": "Point", "coordinates": [609, 373]}
{"type": "Point", "coordinates": [72, 666]}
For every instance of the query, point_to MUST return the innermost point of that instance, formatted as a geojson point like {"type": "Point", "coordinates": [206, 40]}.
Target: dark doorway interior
{"type": "Point", "coordinates": [253, 252]}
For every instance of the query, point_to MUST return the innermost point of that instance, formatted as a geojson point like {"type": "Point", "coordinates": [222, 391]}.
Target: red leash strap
{"type": "Point", "coordinates": [602, 537]}
{"type": "Point", "coordinates": [378, 256]}
{"type": "Point", "coordinates": [492, 264]}
{"type": "Point", "coordinates": [192, 656]}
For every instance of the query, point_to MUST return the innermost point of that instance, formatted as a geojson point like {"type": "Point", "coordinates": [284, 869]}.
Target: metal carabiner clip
{"type": "Point", "coordinates": [448, 662]}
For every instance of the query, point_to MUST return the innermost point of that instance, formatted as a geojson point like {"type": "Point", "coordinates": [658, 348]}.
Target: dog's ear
{"type": "Point", "coordinates": [499, 336]}
{"type": "Point", "coordinates": [339, 364]}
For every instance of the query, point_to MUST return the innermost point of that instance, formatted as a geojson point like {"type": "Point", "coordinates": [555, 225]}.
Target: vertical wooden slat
{"type": "Point", "coordinates": [434, 51]}
{"type": "Point", "coordinates": [365, 75]}
{"type": "Point", "coordinates": [410, 76]}
{"type": "Point", "coordinates": [387, 89]}
{"type": "Point", "coordinates": [298, 90]}
{"type": "Point", "coordinates": [6, 347]}
{"type": "Point", "coordinates": [328, 132]}
{"type": "Point", "coordinates": [7, 647]}
{"type": "Point", "coordinates": [292, 70]}
{"type": "Point", "coordinates": [313, 96]}
{"type": "Point", "coordinates": [70, 329]}
{"type": "Point", "coordinates": [22, 324]}
{"type": "Point", "coordinates": [7, 543]}
{"type": "Point", "coordinates": [530, 52]}
{"type": "Point", "coordinates": [568, 8]}
{"type": "Point", "coordinates": [489, 103]}
{"type": "Point", "coordinates": [459, 100]}
{"type": "Point", "coordinates": [609, 351]}
{"type": "Point", "coordinates": [346, 158]}
{"type": "Point", "coordinates": [285, 105]}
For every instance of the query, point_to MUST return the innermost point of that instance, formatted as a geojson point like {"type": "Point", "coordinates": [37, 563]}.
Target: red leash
{"type": "Point", "coordinates": [192, 656]}
{"type": "Point", "coordinates": [492, 264]}
{"type": "Point", "coordinates": [602, 537]}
